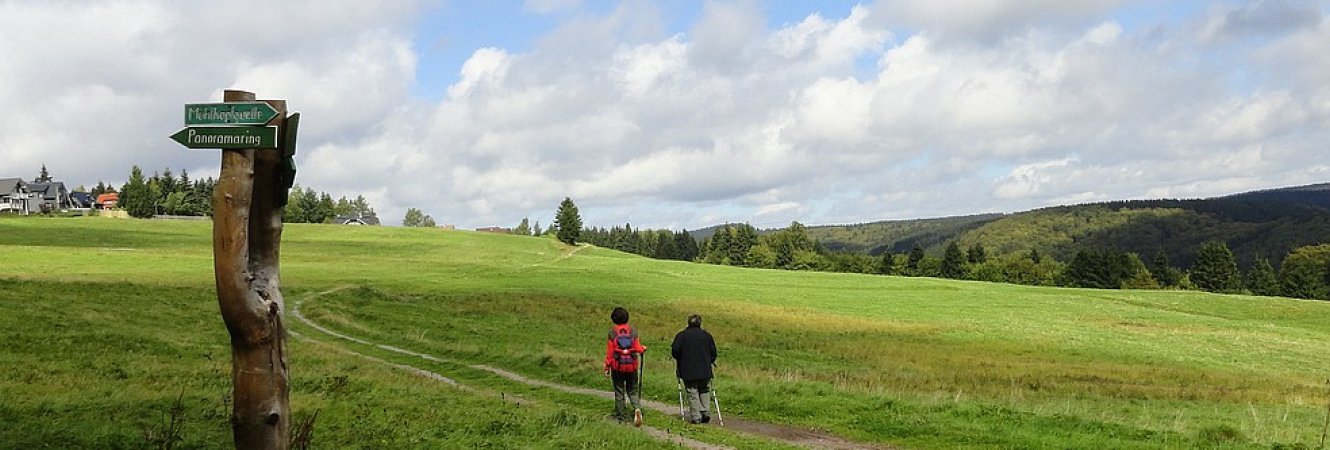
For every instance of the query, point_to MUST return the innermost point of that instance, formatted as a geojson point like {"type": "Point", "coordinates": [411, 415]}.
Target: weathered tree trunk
{"type": "Point", "coordinates": [247, 234]}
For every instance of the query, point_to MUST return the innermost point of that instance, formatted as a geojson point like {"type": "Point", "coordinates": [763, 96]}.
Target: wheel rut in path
{"type": "Point", "coordinates": [807, 438]}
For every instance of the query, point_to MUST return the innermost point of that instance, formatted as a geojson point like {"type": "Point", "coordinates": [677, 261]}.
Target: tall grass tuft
{"type": "Point", "coordinates": [302, 433]}
{"type": "Point", "coordinates": [168, 434]}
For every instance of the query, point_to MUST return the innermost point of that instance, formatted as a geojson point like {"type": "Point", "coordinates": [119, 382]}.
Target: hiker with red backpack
{"type": "Point", "coordinates": [623, 358]}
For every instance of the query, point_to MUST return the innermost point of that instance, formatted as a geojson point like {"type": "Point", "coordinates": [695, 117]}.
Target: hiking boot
{"type": "Point", "coordinates": [705, 419]}
{"type": "Point", "coordinates": [637, 417]}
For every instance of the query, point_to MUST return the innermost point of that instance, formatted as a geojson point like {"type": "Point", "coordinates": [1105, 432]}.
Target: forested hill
{"type": "Point", "coordinates": [1265, 223]}
{"type": "Point", "coordinates": [897, 236]}
{"type": "Point", "coordinates": [1312, 194]}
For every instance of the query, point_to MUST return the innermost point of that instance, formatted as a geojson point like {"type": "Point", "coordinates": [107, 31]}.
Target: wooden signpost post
{"type": "Point", "coordinates": [258, 142]}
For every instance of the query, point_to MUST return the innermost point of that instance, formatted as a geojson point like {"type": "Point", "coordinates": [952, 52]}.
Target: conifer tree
{"type": "Point", "coordinates": [953, 262]}
{"type": "Point", "coordinates": [912, 263]}
{"type": "Point", "coordinates": [568, 222]}
{"type": "Point", "coordinates": [665, 245]}
{"type": "Point", "coordinates": [1165, 273]}
{"type": "Point", "coordinates": [1261, 279]}
{"type": "Point", "coordinates": [325, 209]}
{"type": "Point", "coordinates": [135, 197]}
{"type": "Point", "coordinates": [686, 246]}
{"type": "Point", "coordinates": [887, 264]}
{"type": "Point", "coordinates": [1215, 269]}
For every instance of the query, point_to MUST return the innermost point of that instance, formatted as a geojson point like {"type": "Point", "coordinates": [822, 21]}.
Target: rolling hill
{"type": "Point", "coordinates": [1265, 223]}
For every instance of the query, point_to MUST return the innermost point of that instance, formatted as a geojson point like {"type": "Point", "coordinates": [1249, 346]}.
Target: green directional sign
{"type": "Point", "coordinates": [227, 137]}
{"type": "Point", "coordinates": [237, 113]}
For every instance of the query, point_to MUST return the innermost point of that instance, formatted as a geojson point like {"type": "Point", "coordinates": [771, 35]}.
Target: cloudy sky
{"type": "Point", "coordinates": [691, 113]}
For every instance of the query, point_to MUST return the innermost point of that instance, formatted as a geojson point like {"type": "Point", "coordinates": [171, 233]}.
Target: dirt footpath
{"type": "Point", "coordinates": [791, 435]}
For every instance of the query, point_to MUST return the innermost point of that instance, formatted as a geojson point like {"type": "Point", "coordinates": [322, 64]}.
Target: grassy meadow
{"type": "Point", "coordinates": [104, 323]}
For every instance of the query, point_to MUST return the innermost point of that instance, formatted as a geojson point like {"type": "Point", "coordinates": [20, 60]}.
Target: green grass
{"type": "Point", "coordinates": [106, 320]}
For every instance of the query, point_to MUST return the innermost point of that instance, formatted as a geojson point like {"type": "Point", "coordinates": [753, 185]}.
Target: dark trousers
{"type": "Point", "coordinates": [625, 385]}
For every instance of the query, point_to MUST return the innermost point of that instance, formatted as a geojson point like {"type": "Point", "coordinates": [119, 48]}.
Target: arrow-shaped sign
{"type": "Point", "coordinates": [236, 113]}
{"type": "Point", "coordinates": [227, 137]}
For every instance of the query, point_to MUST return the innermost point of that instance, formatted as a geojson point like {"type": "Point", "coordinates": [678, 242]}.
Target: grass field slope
{"type": "Point", "coordinates": [105, 323]}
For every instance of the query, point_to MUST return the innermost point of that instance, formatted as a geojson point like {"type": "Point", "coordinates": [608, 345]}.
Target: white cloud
{"type": "Point", "coordinates": [989, 21]}
{"type": "Point", "coordinates": [1030, 179]}
{"type": "Point", "coordinates": [486, 66]}
{"type": "Point", "coordinates": [894, 110]}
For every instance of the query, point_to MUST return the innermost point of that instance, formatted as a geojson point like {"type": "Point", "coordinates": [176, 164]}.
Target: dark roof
{"type": "Point", "coordinates": [8, 185]}
{"type": "Point", "coordinates": [357, 219]}
{"type": "Point", "coordinates": [80, 199]}
{"type": "Point", "coordinates": [49, 190]}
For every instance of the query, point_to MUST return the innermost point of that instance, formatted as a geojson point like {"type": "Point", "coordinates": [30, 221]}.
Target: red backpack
{"type": "Point", "coordinates": [624, 359]}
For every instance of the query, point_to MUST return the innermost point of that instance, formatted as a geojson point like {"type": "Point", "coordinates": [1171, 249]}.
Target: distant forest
{"type": "Point", "coordinates": [1273, 242]}
{"type": "Point", "coordinates": [166, 194]}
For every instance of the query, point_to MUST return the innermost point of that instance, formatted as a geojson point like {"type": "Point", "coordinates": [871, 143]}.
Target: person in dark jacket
{"type": "Point", "coordinates": [694, 352]}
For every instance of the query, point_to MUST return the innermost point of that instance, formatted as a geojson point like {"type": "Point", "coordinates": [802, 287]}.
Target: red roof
{"type": "Point", "coordinates": [110, 197]}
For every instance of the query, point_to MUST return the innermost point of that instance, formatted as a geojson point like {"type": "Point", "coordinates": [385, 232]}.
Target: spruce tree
{"type": "Point", "coordinates": [912, 263]}
{"type": "Point", "coordinates": [1163, 271]}
{"type": "Point", "coordinates": [953, 262]}
{"type": "Point", "coordinates": [568, 222]}
{"type": "Point", "coordinates": [742, 239]}
{"type": "Point", "coordinates": [135, 197]}
{"type": "Point", "coordinates": [887, 264]}
{"type": "Point", "coordinates": [1261, 279]}
{"type": "Point", "coordinates": [1215, 269]}
{"type": "Point", "coordinates": [686, 246]}
{"type": "Point", "coordinates": [325, 209]}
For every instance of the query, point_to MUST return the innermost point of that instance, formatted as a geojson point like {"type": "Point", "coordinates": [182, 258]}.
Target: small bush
{"type": "Point", "coordinates": [1220, 434]}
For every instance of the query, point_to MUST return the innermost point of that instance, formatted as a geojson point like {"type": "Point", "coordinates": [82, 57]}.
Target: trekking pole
{"type": "Point", "coordinates": [679, 382]}
{"type": "Point", "coordinates": [714, 398]}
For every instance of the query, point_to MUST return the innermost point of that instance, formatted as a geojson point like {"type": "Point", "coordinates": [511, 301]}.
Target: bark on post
{"type": "Point", "coordinates": [247, 234]}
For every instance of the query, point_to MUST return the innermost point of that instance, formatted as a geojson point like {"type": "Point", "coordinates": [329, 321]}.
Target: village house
{"type": "Point", "coordinates": [108, 200]}
{"type": "Point", "coordinates": [49, 196]}
{"type": "Point", "coordinates": [356, 219]}
{"type": "Point", "coordinates": [14, 196]}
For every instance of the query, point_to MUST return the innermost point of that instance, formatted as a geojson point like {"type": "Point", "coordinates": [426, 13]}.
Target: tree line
{"type": "Point", "coordinates": [658, 244]}
{"type": "Point", "coordinates": [1304, 273]}
{"type": "Point", "coordinates": [567, 227]}
{"type": "Point", "coordinates": [166, 194]}
{"type": "Point", "coordinates": [309, 206]}
{"type": "Point", "coordinates": [163, 194]}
